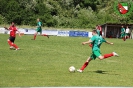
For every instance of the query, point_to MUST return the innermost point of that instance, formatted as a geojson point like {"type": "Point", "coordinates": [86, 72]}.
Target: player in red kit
{"type": "Point", "coordinates": [12, 37]}
{"type": "Point", "coordinates": [98, 27]}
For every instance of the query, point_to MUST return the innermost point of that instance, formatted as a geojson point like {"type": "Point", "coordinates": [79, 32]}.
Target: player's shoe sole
{"type": "Point", "coordinates": [47, 36]}
{"type": "Point", "coordinates": [11, 48]}
{"type": "Point", "coordinates": [115, 54]}
{"type": "Point", "coordinates": [18, 49]}
{"type": "Point", "coordinates": [78, 70]}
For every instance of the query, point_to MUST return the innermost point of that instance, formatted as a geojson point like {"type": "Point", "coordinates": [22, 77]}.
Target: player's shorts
{"type": "Point", "coordinates": [122, 35]}
{"type": "Point", "coordinates": [127, 34]}
{"type": "Point", "coordinates": [39, 30]}
{"type": "Point", "coordinates": [95, 54]}
{"type": "Point", "coordinates": [12, 39]}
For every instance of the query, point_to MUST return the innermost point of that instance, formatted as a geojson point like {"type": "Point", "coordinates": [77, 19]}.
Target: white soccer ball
{"type": "Point", "coordinates": [71, 69]}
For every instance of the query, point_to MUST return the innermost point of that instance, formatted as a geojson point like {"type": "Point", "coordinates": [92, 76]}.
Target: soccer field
{"type": "Point", "coordinates": [44, 63]}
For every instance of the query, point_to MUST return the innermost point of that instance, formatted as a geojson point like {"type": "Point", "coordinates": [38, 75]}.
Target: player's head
{"type": "Point", "coordinates": [38, 19]}
{"type": "Point", "coordinates": [13, 24]}
{"type": "Point", "coordinates": [94, 32]}
{"type": "Point", "coordinates": [122, 26]}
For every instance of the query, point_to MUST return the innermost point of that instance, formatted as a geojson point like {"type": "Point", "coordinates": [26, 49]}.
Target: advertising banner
{"type": "Point", "coordinates": [78, 34]}
{"type": "Point", "coordinates": [63, 33]}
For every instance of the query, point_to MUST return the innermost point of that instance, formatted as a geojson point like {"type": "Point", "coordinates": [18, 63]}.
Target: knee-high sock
{"type": "Point", "coordinates": [84, 66]}
{"type": "Point", "coordinates": [9, 42]}
{"type": "Point", "coordinates": [15, 45]}
{"type": "Point", "coordinates": [34, 37]}
{"type": "Point", "coordinates": [44, 35]}
{"type": "Point", "coordinates": [12, 44]}
{"type": "Point", "coordinates": [108, 55]}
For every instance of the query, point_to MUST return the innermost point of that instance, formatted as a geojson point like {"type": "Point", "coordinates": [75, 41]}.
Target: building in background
{"type": "Point", "coordinates": [112, 30]}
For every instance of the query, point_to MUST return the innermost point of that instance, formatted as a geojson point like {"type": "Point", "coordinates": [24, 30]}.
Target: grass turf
{"type": "Point", "coordinates": [44, 63]}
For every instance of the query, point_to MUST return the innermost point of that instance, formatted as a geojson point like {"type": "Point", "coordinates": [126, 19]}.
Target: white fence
{"type": "Point", "coordinates": [71, 33]}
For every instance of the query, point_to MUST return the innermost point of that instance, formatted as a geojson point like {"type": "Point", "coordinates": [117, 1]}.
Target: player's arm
{"type": "Point", "coordinates": [88, 42]}
{"type": "Point", "coordinates": [103, 37]}
{"type": "Point", "coordinates": [19, 33]}
{"type": "Point", "coordinates": [6, 28]}
{"type": "Point", "coordinates": [109, 42]}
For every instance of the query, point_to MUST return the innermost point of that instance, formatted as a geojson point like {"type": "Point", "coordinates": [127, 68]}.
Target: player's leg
{"type": "Point", "coordinates": [124, 36]}
{"type": "Point", "coordinates": [127, 35]}
{"type": "Point", "coordinates": [11, 43]}
{"type": "Point", "coordinates": [45, 35]}
{"type": "Point", "coordinates": [35, 35]}
{"type": "Point", "coordinates": [86, 63]}
{"type": "Point", "coordinates": [105, 56]}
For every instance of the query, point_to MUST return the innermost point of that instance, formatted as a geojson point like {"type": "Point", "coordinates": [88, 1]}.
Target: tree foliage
{"type": "Point", "coordinates": [60, 13]}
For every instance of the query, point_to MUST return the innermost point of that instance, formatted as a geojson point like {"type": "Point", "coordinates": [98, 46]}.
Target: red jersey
{"type": "Point", "coordinates": [13, 30]}
{"type": "Point", "coordinates": [100, 29]}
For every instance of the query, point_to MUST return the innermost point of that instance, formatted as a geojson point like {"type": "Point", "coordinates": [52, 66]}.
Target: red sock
{"type": "Point", "coordinates": [12, 44]}
{"type": "Point", "coordinates": [9, 42]}
{"type": "Point", "coordinates": [108, 55]}
{"type": "Point", "coordinates": [15, 45]}
{"type": "Point", "coordinates": [84, 66]}
{"type": "Point", "coordinates": [124, 39]}
{"type": "Point", "coordinates": [34, 37]}
{"type": "Point", "coordinates": [44, 35]}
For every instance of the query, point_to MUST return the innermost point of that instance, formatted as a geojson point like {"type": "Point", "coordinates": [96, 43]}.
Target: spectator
{"type": "Point", "coordinates": [123, 33]}
{"type": "Point", "coordinates": [127, 35]}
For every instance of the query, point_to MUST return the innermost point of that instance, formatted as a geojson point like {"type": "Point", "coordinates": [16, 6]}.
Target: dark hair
{"type": "Point", "coordinates": [94, 30]}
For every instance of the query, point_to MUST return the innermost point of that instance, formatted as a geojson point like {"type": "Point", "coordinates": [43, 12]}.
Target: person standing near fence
{"type": "Point", "coordinates": [123, 33]}
{"type": "Point", "coordinates": [127, 35]}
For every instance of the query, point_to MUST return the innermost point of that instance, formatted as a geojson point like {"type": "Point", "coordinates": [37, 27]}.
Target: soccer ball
{"type": "Point", "coordinates": [71, 69]}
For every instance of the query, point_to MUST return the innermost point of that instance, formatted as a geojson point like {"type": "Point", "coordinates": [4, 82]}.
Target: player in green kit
{"type": "Point", "coordinates": [96, 41]}
{"type": "Point", "coordinates": [39, 29]}
{"type": "Point", "coordinates": [98, 32]}
{"type": "Point", "coordinates": [123, 33]}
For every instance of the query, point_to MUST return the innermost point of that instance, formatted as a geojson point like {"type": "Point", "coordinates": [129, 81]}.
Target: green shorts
{"type": "Point", "coordinates": [122, 35]}
{"type": "Point", "coordinates": [95, 54]}
{"type": "Point", "coordinates": [39, 30]}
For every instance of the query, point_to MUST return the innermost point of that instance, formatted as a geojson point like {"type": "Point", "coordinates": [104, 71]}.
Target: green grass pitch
{"type": "Point", "coordinates": [45, 62]}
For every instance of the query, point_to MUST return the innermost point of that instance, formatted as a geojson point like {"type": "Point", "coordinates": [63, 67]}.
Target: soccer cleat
{"type": "Point", "coordinates": [11, 47]}
{"type": "Point", "coordinates": [115, 54]}
{"type": "Point", "coordinates": [78, 70]}
{"type": "Point", "coordinates": [47, 36]}
{"type": "Point", "coordinates": [18, 49]}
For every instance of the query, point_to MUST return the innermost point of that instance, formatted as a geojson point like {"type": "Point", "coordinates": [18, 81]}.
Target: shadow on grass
{"type": "Point", "coordinates": [104, 72]}
{"type": "Point", "coordinates": [101, 72]}
{"type": "Point", "coordinates": [16, 50]}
